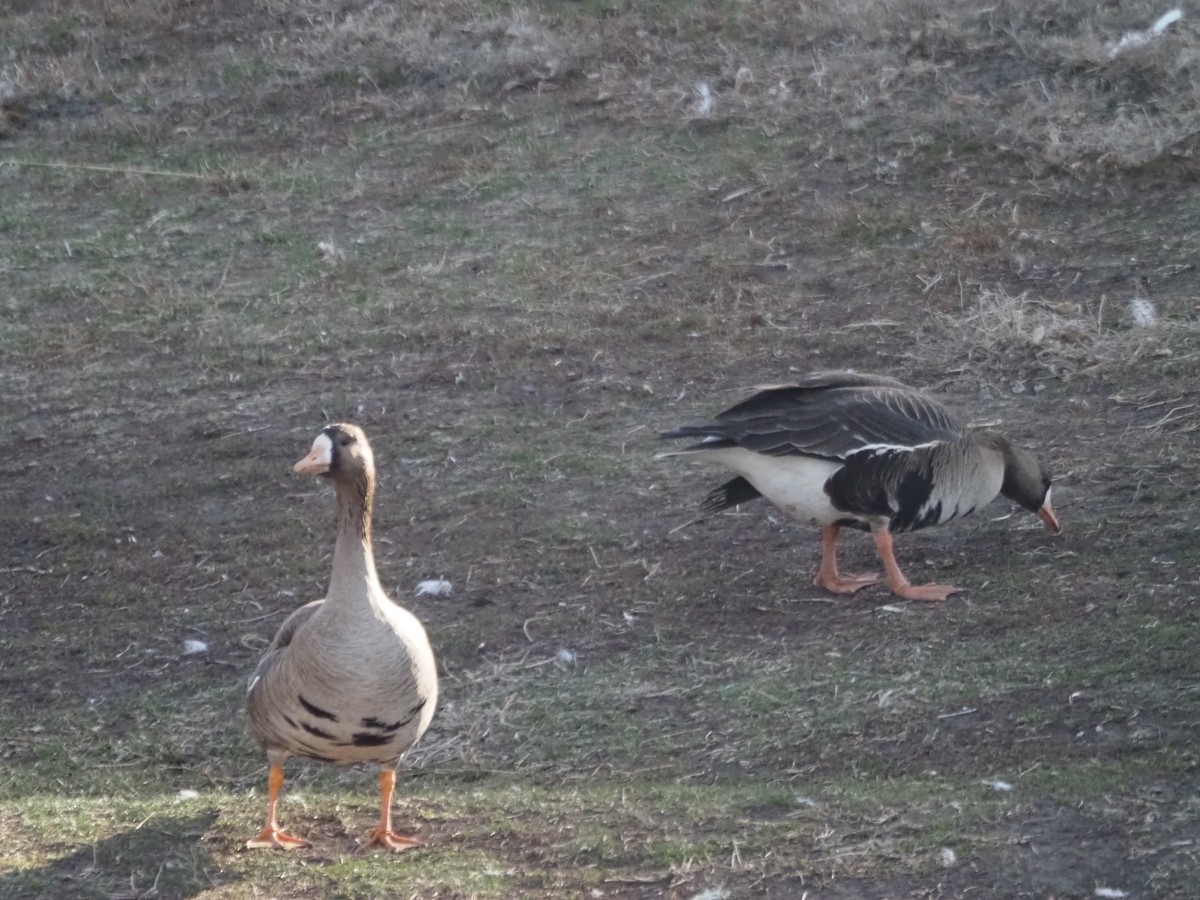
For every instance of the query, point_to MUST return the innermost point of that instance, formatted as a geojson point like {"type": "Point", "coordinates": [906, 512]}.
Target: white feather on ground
{"type": "Point", "coordinates": [434, 587]}
{"type": "Point", "coordinates": [1142, 312]}
{"type": "Point", "coordinates": [1131, 39]}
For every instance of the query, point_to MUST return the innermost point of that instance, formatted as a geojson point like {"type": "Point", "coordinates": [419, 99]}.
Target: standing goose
{"type": "Point", "coordinates": [839, 448]}
{"type": "Point", "coordinates": [350, 678]}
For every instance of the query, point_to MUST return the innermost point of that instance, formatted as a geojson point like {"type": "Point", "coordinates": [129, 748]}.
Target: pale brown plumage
{"type": "Point", "coordinates": [350, 678]}
{"type": "Point", "coordinates": [843, 448]}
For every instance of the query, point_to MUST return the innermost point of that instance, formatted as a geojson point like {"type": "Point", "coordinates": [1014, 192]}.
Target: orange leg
{"type": "Point", "coordinates": [271, 836]}
{"type": "Point", "coordinates": [827, 575]}
{"type": "Point", "coordinates": [900, 586]}
{"type": "Point", "coordinates": [382, 834]}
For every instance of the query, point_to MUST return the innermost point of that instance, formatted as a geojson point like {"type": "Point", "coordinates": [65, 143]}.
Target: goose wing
{"type": "Point", "coordinates": [832, 415]}
{"type": "Point", "coordinates": [283, 638]}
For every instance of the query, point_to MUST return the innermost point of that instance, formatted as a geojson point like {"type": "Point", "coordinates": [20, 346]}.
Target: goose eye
{"type": "Point", "coordinates": [344, 440]}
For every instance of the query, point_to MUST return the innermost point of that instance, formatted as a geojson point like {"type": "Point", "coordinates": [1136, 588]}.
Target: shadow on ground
{"type": "Point", "coordinates": [160, 857]}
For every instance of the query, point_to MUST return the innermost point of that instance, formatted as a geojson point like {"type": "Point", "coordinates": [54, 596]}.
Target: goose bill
{"type": "Point", "coordinates": [1046, 514]}
{"type": "Point", "coordinates": [319, 458]}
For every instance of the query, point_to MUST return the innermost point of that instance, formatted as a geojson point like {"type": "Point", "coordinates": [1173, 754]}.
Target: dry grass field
{"type": "Point", "coordinates": [514, 243]}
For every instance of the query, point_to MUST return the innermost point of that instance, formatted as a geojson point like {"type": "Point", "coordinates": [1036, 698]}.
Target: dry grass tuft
{"type": "Point", "coordinates": [1093, 105]}
{"type": "Point", "coordinates": [435, 45]}
{"type": "Point", "coordinates": [1002, 332]}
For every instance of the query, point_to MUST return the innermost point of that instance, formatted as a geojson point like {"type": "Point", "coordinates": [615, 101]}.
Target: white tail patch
{"type": "Point", "coordinates": [708, 439]}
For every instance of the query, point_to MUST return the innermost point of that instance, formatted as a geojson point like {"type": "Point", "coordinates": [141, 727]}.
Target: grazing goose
{"type": "Point", "coordinates": [839, 448]}
{"type": "Point", "coordinates": [350, 678]}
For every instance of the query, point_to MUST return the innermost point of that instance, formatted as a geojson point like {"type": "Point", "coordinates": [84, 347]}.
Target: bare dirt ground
{"type": "Point", "coordinates": [514, 245]}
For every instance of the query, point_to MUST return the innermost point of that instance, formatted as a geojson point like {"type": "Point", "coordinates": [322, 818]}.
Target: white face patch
{"type": "Point", "coordinates": [319, 459]}
{"type": "Point", "coordinates": [322, 449]}
{"type": "Point", "coordinates": [1046, 502]}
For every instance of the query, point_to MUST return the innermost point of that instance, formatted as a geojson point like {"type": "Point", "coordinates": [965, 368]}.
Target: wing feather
{"type": "Point", "coordinates": [830, 415]}
{"type": "Point", "coordinates": [283, 637]}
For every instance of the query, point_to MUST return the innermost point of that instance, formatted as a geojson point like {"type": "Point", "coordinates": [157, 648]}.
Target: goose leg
{"type": "Point", "coordinates": [382, 835]}
{"type": "Point", "coordinates": [827, 575]}
{"type": "Point", "coordinates": [271, 836]}
{"type": "Point", "coordinates": [899, 585]}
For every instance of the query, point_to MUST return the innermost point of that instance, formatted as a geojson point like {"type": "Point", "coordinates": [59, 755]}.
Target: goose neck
{"type": "Point", "coordinates": [353, 557]}
{"type": "Point", "coordinates": [355, 507]}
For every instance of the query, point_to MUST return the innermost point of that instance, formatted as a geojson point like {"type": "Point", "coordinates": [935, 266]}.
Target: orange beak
{"type": "Point", "coordinates": [316, 463]}
{"type": "Point", "coordinates": [1046, 514]}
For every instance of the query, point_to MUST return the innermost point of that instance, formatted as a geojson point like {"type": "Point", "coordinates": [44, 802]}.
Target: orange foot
{"type": "Point", "coordinates": [270, 838]}
{"type": "Point", "coordinates": [845, 584]}
{"type": "Point", "coordinates": [931, 592]}
{"type": "Point", "coordinates": [397, 843]}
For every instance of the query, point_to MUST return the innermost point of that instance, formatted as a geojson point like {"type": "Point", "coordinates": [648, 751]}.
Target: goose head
{"type": "Point", "coordinates": [341, 453]}
{"type": "Point", "coordinates": [1027, 482]}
